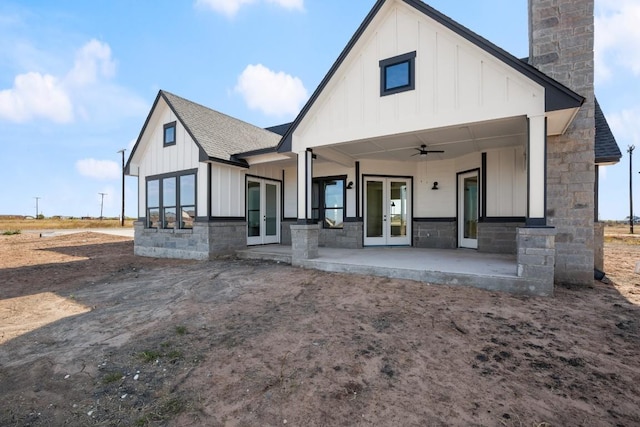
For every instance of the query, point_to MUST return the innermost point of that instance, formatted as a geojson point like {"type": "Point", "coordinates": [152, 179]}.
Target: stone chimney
{"type": "Point", "coordinates": [561, 38]}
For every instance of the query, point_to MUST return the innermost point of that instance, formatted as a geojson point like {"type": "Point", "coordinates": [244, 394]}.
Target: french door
{"type": "Point", "coordinates": [468, 210]}
{"type": "Point", "coordinates": [387, 211]}
{"type": "Point", "coordinates": [263, 211]}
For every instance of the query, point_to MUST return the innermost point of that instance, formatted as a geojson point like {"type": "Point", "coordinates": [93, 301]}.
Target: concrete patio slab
{"type": "Point", "coordinates": [450, 267]}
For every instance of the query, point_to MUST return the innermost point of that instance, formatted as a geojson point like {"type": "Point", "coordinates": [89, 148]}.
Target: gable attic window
{"type": "Point", "coordinates": [397, 74]}
{"type": "Point", "coordinates": [170, 134]}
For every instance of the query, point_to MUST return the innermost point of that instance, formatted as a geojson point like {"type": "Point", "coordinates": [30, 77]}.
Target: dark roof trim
{"type": "Point", "coordinates": [203, 157]}
{"type": "Point", "coordinates": [557, 96]}
{"type": "Point", "coordinates": [285, 143]}
{"type": "Point", "coordinates": [607, 150]}
{"type": "Point", "coordinates": [144, 128]}
{"type": "Point", "coordinates": [280, 129]}
{"type": "Point", "coordinates": [256, 152]}
{"type": "Point", "coordinates": [240, 163]}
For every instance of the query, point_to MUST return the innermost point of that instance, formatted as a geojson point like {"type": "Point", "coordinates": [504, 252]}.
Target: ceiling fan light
{"type": "Point", "coordinates": [423, 154]}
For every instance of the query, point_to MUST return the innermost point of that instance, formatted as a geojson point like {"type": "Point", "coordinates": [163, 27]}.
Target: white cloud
{"type": "Point", "coordinates": [616, 30]}
{"type": "Point", "coordinates": [225, 7]}
{"type": "Point", "coordinates": [624, 126]}
{"type": "Point", "coordinates": [289, 4]}
{"type": "Point", "coordinates": [275, 94]}
{"type": "Point", "coordinates": [36, 95]}
{"type": "Point", "coordinates": [86, 91]}
{"type": "Point", "coordinates": [99, 169]}
{"type": "Point", "coordinates": [93, 61]}
{"type": "Point", "coordinates": [230, 8]}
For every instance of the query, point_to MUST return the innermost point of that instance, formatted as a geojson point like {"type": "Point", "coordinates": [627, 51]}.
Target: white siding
{"type": "Point", "coordinates": [290, 192]}
{"type": "Point", "coordinates": [227, 191]}
{"type": "Point", "coordinates": [156, 159]}
{"type": "Point", "coordinates": [228, 187]}
{"type": "Point", "coordinates": [456, 82]}
{"type": "Point", "coordinates": [506, 183]}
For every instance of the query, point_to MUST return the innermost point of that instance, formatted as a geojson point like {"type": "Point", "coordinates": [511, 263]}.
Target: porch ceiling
{"type": "Point", "coordinates": [456, 141]}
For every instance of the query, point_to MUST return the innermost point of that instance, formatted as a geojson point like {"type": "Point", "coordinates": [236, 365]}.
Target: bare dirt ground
{"type": "Point", "coordinates": [91, 335]}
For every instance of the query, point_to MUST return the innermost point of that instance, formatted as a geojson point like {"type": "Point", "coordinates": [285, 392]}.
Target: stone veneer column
{"type": "Point", "coordinates": [561, 34]}
{"type": "Point", "coordinates": [304, 242]}
{"type": "Point", "coordinates": [536, 258]}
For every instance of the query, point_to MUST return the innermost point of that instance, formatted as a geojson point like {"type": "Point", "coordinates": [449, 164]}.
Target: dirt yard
{"type": "Point", "coordinates": [91, 335]}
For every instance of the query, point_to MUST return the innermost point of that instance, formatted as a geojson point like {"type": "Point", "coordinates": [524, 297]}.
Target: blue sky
{"type": "Point", "coordinates": [77, 79]}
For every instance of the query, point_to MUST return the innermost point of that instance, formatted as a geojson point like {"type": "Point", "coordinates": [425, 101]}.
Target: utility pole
{"type": "Point", "coordinates": [122, 213]}
{"type": "Point", "coordinates": [37, 198]}
{"type": "Point", "coordinates": [630, 151]}
{"type": "Point", "coordinates": [101, 203]}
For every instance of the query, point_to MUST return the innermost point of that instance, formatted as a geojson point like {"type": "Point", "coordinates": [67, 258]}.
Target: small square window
{"type": "Point", "coordinates": [170, 133]}
{"type": "Point", "coordinates": [397, 74]}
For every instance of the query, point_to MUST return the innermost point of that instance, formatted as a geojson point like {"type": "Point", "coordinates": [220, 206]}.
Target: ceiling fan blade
{"type": "Point", "coordinates": [434, 151]}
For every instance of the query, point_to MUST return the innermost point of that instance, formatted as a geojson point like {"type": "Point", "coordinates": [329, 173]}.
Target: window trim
{"type": "Point", "coordinates": [164, 134]}
{"type": "Point", "coordinates": [409, 58]}
{"type": "Point", "coordinates": [321, 200]}
{"type": "Point", "coordinates": [179, 224]}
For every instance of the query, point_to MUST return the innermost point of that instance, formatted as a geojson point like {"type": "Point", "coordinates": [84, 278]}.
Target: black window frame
{"type": "Point", "coordinates": [318, 211]}
{"type": "Point", "coordinates": [178, 223]}
{"type": "Point", "coordinates": [385, 64]}
{"type": "Point", "coordinates": [164, 134]}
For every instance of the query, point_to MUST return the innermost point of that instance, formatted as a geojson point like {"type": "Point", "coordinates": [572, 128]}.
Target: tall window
{"type": "Point", "coordinates": [397, 74]}
{"type": "Point", "coordinates": [328, 200]}
{"type": "Point", "coordinates": [169, 133]}
{"type": "Point", "coordinates": [171, 201]}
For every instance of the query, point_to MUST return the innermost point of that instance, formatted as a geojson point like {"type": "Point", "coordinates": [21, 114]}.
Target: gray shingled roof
{"type": "Point", "coordinates": [218, 135]}
{"type": "Point", "coordinates": [607, 149]}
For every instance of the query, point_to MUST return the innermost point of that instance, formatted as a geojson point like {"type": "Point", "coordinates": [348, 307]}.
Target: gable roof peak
{"type": "Point", "coordinates": [557, 95]}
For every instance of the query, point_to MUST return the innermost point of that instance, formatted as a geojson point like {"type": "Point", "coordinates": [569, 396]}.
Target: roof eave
{"type": "Point", "coordinates": [232, 161]}
{"type": "Point", "coordinates": [607, 161]}
{"type": "Point", "coordinates": [257, 152]}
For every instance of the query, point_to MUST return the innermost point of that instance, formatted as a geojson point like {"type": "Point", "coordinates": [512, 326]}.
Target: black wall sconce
{"type": "Point", "coordinates": [435, 185]}
{"type": "Point", "coordinates": [350, 185]}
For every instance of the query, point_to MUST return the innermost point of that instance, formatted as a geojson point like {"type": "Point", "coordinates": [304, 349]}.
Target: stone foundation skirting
{"type": "Point", "coordinates": [285, 232]}
{"type": "Point", "coordinates": [434, 234]}
{"type": "Point", "coordinates": [349, 236]}
{"type": "Point", "coordinates": [598, 252]}
{"type": "Point", "coordinates": [206, 240]}
{"type": "Point", "coordinates": [498, 237]}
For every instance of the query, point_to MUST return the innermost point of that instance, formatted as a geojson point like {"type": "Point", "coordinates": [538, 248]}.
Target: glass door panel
{"type": "Point", "coordinates": [271, 213]}
{"type": "Point", "coordinates": [387, 211]}
{"type": "Point", "coordinates": [398, 214]}
{"type": "Point", "coordinates": [263, 212]}
{"type": "Point", "coordinates": [374, 209]}
{"type": "Point", "coordinates": [253, 209]}
{"type": "Point", "coordinates": [468, 210]}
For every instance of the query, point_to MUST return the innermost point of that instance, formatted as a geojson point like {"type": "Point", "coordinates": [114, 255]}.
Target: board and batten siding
{"type": "Point", "coordinates": [507, 183]}
{"type": "Point", "coordinates": [228, 187]}
{"type": "Point", "coordinates": [456, 82]}
{"type": "Point", "coordinates": [156, 159]}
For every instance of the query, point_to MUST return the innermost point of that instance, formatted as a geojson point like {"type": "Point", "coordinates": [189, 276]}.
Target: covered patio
{"type": "Point", "coordinates": [461, 267]}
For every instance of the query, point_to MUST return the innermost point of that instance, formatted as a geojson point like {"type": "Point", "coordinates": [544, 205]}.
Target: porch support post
{"type": "Point", "coordinates": [537, 172]}
{"type": "Point", "coordinates": [304, 234]}
{"type": "Point", "coordinates": [537, 259]}
{"type": "Point", "coordinates": [305, 179]}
